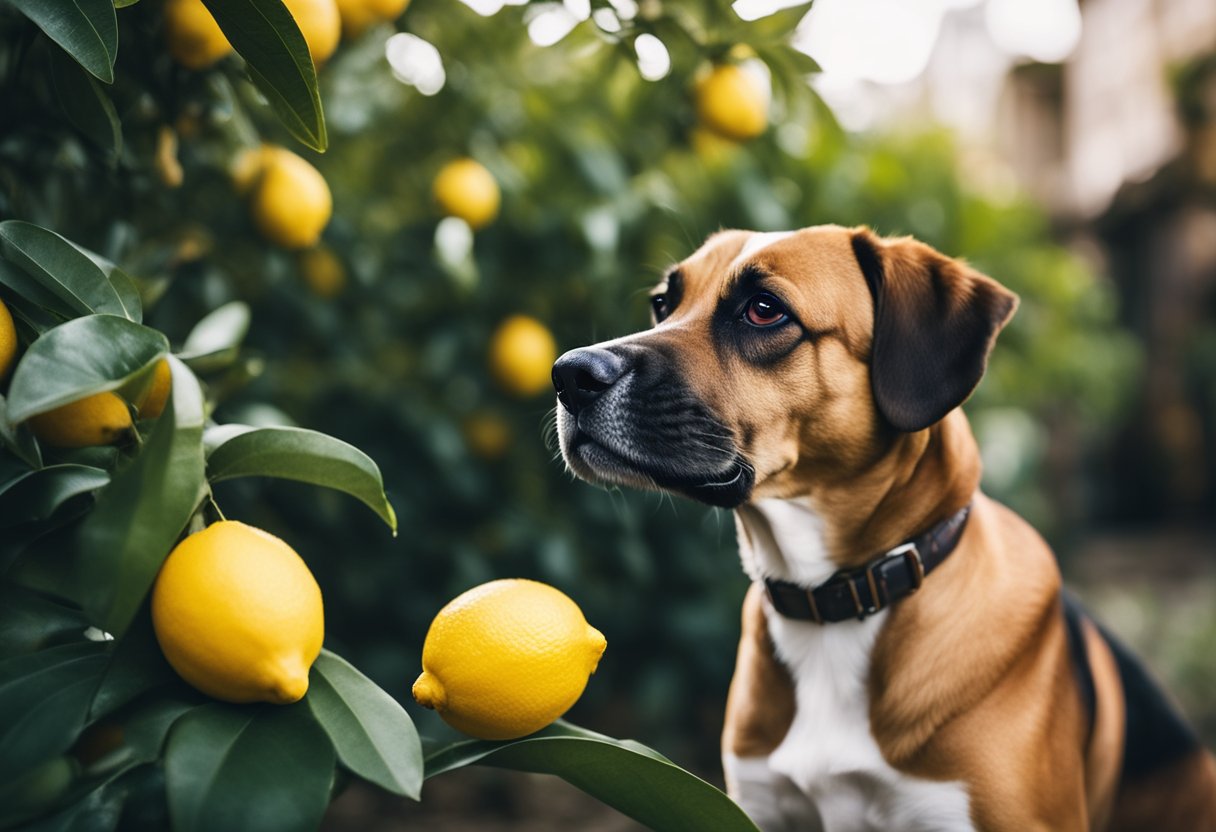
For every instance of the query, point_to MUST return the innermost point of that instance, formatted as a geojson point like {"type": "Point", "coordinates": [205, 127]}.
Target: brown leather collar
{"type": "Point", "coordinates": [878, 584]}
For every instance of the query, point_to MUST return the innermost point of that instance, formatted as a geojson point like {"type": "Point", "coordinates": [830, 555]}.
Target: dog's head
{"type": "Point", "coordinates": [775, 358]}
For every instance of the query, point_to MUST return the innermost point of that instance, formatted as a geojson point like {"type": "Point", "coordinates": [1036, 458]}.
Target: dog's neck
{"type": "Point", "coordinates": [833, 524]}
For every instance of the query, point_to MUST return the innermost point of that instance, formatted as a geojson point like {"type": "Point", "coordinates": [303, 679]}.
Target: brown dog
{"type": "Point", "coordinates": [907, 659]}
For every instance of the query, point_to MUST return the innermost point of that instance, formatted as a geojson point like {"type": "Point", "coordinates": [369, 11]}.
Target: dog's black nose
{"type": "Point", "coordinates": [581, 375]}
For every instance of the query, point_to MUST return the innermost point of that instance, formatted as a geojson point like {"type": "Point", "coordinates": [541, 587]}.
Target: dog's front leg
{"type": "Point", "coordinates": [759, 711]}
{"type": "Point", "coordinates": [770, 799]}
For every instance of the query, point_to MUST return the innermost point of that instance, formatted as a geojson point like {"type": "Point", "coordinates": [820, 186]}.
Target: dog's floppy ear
{"type": "Point", "coordinates": [935, 320]}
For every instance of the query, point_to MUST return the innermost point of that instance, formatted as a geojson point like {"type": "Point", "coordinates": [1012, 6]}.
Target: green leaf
{"type": "Point", "coordinates": [32, 293]}
{"type": "Point", "coordinates": [146, 730]}
{"type": "Point", "coordinates": [219, 332]}
{"type": "Point", "coordinates": [773, 28]}
{"type": "Point", "coordinates": [626, 775]}
{"type": "Point", "coordinates": [265, 34]}
{"type": "Point", "coordinates": [136, 666]}
{"type": "Point", "coordinates": [60, 267]}
{"type": "Point", "coordinates": [86, 29]}
{"type": "Point", "coordinates": [98, 811]}
{"type": "Point", "coordinates": [264, 768]}
{"type": "Point", "coordinates": [44, 697]}
{"type": "Point", "coordinates": [79, 358]}
{"type": "Point", "coordinates": [141, 514]}
{"type": "Point", "coordinates": [18, 440]}
{"type": "Point", "coordinates": [304, 456]}
{"type": "Point", "coordinates": [127, 291]}
{"type": "Point", "coordinates": [86, 105]}
{"type": "Point", "coordinates": [46, 562]}
{"type": "Point", "coordinates": [36, 790]}
{"type": "Point", "coordinates": [39, 493]}
{"type": "Point", "coordinates": [30, 622]}
{"type": "Point", "coordinates": [372, 733]}
{"type": "Point", "coordinates": [96, 800]}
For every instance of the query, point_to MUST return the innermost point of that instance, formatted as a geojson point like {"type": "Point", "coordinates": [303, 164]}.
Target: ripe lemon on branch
{"type": "Point", "coordinates": [196, 41]}
{"type": "Point", "coordinates": [291, 202]}
{"type": "Point", "coordinates": [358, 15]}
{"type": "Point", "coordinates": [151, 403]}
{"type": "Point", "coordinates": [465, 189]}
{"type": "Point", "coordinates": [732, 101]}
{"type": "Point", "coordinates": [507, 658]}
{"type": "Point", "coordinates": [8, 341]}
{"type": "Point", "coordinates": [522, 352]}
{"type": "Point", "coordinates": [238, 615]}
{"type": "Point", "coordinates": [192, 35]}
{"type": "Point", "coordinates": [100, 419]}
{"type": "Point", "coordinates": [319, 23]}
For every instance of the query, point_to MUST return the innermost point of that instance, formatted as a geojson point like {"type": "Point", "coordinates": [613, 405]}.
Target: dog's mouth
{"type": "Point", "coordinates": [601, 461]}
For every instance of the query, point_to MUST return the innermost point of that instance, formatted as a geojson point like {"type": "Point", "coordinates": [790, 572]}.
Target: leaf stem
{"type": "Point", "coordinates": [215, 505]}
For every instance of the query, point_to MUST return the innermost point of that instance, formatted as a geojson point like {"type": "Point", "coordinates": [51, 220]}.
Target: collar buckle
{"type": "Point", "coordinates": [912, 559]}
{"type": "Point", "coordinates": [909, 555]}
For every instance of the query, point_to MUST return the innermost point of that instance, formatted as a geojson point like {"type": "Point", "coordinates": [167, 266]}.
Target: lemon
{"type": "Point", "coordinates": [152, 403]}
{"type": "Point", "coordinates": [358, 15]}
{"type": "Point", "coordinates": [487, 435]}
{"type": "Point", "coordinates": [319, 23]}
{"type": "Point", "coordinates": [238, 615]}
{"type": "Point", "coordinates": [194, 38]}
{"type": "Point", "coordinates": [291, 202]}
{"type": "Point", "coordinates": [522, 352]}
{"type": "Point", "coordinates": [323, 272]}
{"type": "Point", "coordinates": [8, 341]}
{"type": "Point", "coordinates": [733, 102]}
{"type": "Point", "coordinates": [507, 658]}
{"type": "Point", "coordinates": [465, 189]}
{"type": "Point", "coordinates": [100, 419]}
{"type": "Point", "coordinates": [166, 164]}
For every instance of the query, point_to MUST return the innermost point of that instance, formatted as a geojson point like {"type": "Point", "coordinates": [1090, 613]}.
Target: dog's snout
{"type": "Point", "coordinates": [580, 376]}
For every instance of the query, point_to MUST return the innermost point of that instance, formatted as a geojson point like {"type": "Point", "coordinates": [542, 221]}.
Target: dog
{"type": "Point", "coordinates": [908, 659]}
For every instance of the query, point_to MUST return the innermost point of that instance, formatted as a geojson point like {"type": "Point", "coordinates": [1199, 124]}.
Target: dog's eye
{"type": "Point", "coordinates": [764, 311]}
{"type": "Point", "coordinates": [658, 303]}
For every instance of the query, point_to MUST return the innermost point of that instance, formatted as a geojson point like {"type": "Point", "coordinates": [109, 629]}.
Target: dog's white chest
{"type": "Point", "coordinates": [828, 773]}
{"type": "Point", "coordinates": [831, 756]}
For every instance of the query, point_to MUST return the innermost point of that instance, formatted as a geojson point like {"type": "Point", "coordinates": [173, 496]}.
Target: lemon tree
{"type": "Point", "coordinates": [131, 607]}
{"type": "Point", "coordinates": [161, 663]}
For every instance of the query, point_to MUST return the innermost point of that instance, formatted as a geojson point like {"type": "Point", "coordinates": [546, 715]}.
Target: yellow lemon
{"type": "Point", "coordinates": [291, 202]}
{"type": "Point", "coordinates": [166, 164]}
{"type": "Point", "coordinates": [238, 615]}
{"type": "Point", "coordinates": [320, 25]}
{"type": "Point", "coordinates": [507, 658]}
{"type": "Point", "coordinates": [522, 352]}
{"type": "Point", "coordinates": [358, 15]}
{"type": "Point", "coordinates": [152, 403]}
{"type": "Point", "coordinates": [100, 419]}
{"type": "Point", "coordinates": [8, 341]}
{"type": "Point", "coordinates": [733, 103]}
{"type": "Point", "coordinates": [487, 435]}
{"type": "Point", "coordinates": [323, 272]}
{"type": "Point", "coordinates": [465, 189]}
{"type": "Point", "coordinates": [194, 38]}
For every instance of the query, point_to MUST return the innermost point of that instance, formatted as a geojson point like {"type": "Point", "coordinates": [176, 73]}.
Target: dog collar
{"type": "Point", "coordinates": [878, 584]}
